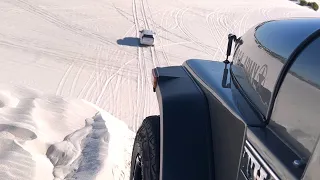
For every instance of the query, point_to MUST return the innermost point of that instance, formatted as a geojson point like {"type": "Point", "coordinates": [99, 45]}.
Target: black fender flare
{"type": "Point", "coordinates": [185, 128]}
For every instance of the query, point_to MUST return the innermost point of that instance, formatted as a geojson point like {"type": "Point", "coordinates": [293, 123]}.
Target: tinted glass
{"type": "Point", "coordinates": [262, 52]}
{"type": "Point", "coordinates": [256, 70]}
{"type": "Point", "coordinates": [279, 37]}
{"type": "Point", "coordinates": [296, 115]}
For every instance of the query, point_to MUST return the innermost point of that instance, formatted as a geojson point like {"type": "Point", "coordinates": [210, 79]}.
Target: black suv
{"type": "Point", "coordinates": [253, 117]}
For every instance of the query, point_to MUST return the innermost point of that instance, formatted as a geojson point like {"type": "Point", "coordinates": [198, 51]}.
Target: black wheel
{"type": "Point", "coordinates": [145, 160]}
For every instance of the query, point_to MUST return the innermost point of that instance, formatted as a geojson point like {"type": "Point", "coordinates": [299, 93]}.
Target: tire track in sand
{"type": "Point", "coordinates": [64, 79]}
{"type": "Point", "coordinates": [74, 83]}
{"type": "Point", "coordinates": [92, 80]}
{"type": "Point", "coordinates": [98, 101]}
{"type": "Point", "coordinates": [76, 78]}
{"type": "Point", "coordinates": [93, 90]}
{"type": "Point", "coordinates": [139, 51]}
{"type": "Point", "coordinates": [54, 19]}
{"type": "Point", "coordinates": [179, 20]}
{"type": "Point", "coordinates": [153, 49]}
{"type": "Point", "coordinates": [144, 66]}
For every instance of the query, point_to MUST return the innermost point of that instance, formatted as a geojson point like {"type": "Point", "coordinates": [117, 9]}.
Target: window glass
{"type": "Point", "coordinates": [296, 113]}
{"type": "Point", "coordinates": [258, 61]}
{"type": "Point", "coordinates": [278, 38]}
{"type": "Point", "coordinates": [147, 36]}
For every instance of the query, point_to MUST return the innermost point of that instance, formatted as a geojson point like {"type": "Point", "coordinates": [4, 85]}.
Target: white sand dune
{"type": "Point", "coordinates": [82, 49]}
{"type": "Point", "coordinates": [49, 137]}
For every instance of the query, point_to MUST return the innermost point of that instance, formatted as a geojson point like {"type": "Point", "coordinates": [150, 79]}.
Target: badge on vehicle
{"type": "Point", "coordinates": [252, 167]}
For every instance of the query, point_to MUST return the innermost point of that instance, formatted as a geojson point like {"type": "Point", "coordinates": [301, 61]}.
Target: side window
{"type": "Point", "coordinates": [296, 113]}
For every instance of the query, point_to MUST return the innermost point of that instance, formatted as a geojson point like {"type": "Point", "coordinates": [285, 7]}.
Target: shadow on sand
{"type": "Point", "coordinates": [129, 41]}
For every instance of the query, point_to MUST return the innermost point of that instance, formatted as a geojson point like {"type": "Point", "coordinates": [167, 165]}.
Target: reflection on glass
{"type": "Point", "coordinates": [297, 109]}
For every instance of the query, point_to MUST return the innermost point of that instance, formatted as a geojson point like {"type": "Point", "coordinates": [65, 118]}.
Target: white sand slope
{"type": "Point", "coordinates": [47, 137]}
{"type": "Point", "coordinates": [83, 49]}
{"type": "Point", "coordinates": [84, 153]}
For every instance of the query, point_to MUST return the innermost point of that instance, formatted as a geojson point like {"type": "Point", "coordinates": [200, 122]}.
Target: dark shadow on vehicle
{"type": "Point", "coordinates": [129, 41]}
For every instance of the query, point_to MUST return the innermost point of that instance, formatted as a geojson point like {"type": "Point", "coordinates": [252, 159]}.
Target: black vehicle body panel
{"type": "Point", "coordinates": [228, 115]}
{"type": "Point", "coordinates": [185, 128]}
{"type": "Point", "coordinates": [312, 172]}
{"type": "Point", "coordinates": [226, 122]}
{"type": "Point", "coordinates": [213, 116]}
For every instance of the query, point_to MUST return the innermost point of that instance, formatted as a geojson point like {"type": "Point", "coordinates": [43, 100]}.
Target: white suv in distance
{"type": "Point", "coordinates": [146, 37]}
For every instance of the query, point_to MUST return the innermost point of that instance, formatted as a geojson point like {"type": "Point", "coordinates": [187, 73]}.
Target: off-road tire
{"type": "Point", "coordinates": [147, 145]}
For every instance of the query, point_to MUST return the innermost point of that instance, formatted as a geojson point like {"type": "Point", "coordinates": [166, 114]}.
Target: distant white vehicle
{"type": "Point", "coordinates": [146, 37]}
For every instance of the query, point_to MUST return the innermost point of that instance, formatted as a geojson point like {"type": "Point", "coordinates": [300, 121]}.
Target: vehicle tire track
{"type": "Point", "coordinates": [109, 80]}
{"type": "Point", "coordinates": [63, 79]}
{"type": "Point", "coordinates": [43, 49]}
{"type": "Point", "coordinates": [130, 30]}
{"type": "Point", "coordinates": [147, 26]}
{"type": "Point", "coordinates": [116, 97]}
{"type": "Point", "coordinates": [166, 35]}
{"type": "Point", "coordinates": [245, 21]}
{"type": "Point", "coordinates": [155, 58]}
{"type": "Point", "coordinates": [74, 83]}
{"type": "Point", "coordinates": [60, 23]}
{"type": "Point", "coordinates": [140, 84]}
{"type": "Point", "coordinates": [54, 19]}
{"type": "Point", "coordinates": [76, 78]}
{"type": "Point", "coordinates": [98, 72]}
{"type": "Point", "coordinates": [167, 25]}
{"type": "Point", "coordinates": [222, 20]}
{"type": "Point", "coordinates": [123, 13]}
{"type": "Point", "coordinates": [153, 50]}
{"type": "Point", "coordinates": [93, 79]}
{"type": "Point", "coordinates": [265, 13]}
{"type": "Point", "coordinates": [173, 15]}
{"type": "Point", "coordinates": [83, 90]}
{"type": "Point", "coordinates": [209, 23]}
{"type": "Point", "coordinates": [183, 29]}
{"type": "Point", "coordinates": [144, 67]}
{"type": "Point", "coordinates": [227, 20]}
